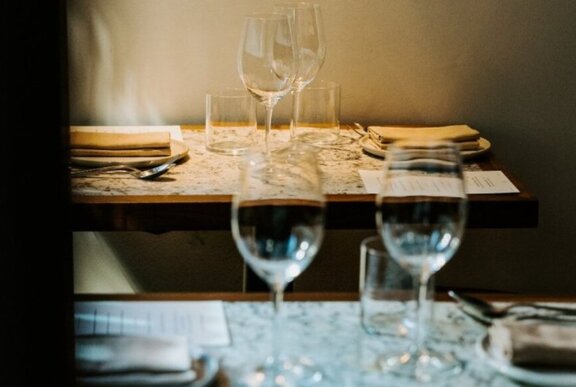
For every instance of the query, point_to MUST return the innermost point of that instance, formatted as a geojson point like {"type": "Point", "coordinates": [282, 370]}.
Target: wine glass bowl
{"type": "Point", "coordinates": [278, 216]}
{"type": "Point", "coordinates": [309, 43]}
{"type": "Point", "coordinates": [278, 225]}
{"type": "Point", "coordinates": [421, 216]}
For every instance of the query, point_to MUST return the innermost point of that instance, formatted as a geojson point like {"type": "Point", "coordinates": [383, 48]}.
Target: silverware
{"type": "Point", "coordinates": [486, 312]}
{"type": "Point", "coordinates": [146, 174]}
{"type": "Point", "coordinates": [359, 129]}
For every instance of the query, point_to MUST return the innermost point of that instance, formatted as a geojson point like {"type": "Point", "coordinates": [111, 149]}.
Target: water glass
{"type": "Point", "coordinates": [387, 293]}
{"type": "Point", "coordinates": [316, 113]}
{"type": "Point", "coordinates": [230, 121]}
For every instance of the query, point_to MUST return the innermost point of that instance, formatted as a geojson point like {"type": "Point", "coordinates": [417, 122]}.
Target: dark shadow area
{"type": "Point", "coordinates": [35, 239]}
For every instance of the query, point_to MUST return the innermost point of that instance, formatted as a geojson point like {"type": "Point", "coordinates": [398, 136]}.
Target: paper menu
{"type": "Point", "coordinates": [426, 186]}
{"type": "Point", "coordinates": [487, 182]}
{"type": "Point", "coordinates": [175, 131]}
{"type": "Point", "coordinates": [477, 182]}
{"type": "Point", "coordinates": [204, 322]}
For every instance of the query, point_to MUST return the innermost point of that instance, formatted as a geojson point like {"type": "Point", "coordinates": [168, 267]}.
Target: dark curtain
{"type": "Point", "coordinates": [35, 237]}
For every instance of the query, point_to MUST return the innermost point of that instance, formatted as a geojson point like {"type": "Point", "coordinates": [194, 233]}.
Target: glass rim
{"type": "Point", "coordinates": [367, 245]}
{"type": "Point", "coordinates": [267, 16]}
{"type": "Point", "coordinates": [322, 84]}
{"type": "Point", "coordinates": [296, 4]}
{"type": "Point", "coordinates": [230, 92]}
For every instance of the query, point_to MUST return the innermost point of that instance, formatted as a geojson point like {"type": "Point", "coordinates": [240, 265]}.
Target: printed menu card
{"type": "Point", "coordinates": [477, 182]}
{"type": "Point", "coordinates": [204, 322]}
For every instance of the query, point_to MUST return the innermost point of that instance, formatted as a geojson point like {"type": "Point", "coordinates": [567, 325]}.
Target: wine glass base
{"type": "Point", "coordinates": [285, 372]}
{"type": "Point", "coordinates": [423, 366]}
{"type": "Point", "coordinates": [319, 137]}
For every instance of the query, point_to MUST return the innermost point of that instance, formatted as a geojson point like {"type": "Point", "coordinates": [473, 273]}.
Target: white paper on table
{"type": "Point", "coordinates": [487, 182]}
{"type": "Point", "coordinates": [204, 322]}
{"type": "Point", "coordinates": [174, 130]}
{"type": "Point", "coordinates": [477, 182]}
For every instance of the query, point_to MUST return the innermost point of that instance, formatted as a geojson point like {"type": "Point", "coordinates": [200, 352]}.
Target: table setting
{"type": "Point", "coordinates": [277, 188]}
{"type": "Point", "coordinates": [329, 330]}
{"type": "Point", "coordinates": [290, 39]}
{"type": "Point", "coordinates": [136, 145]}
{"type": "Point", "coordinates": [466, 138]}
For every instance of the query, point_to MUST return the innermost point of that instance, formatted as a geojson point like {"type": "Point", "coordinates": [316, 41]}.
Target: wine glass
{"type": "Point", "coordinates": [266, 60]}
{"type": "Point", "coordinates": [278, 226]}
{"type": "Point", "coordinates": [309, 44]}
{"type": "Point", "coordinates": [421, 216]}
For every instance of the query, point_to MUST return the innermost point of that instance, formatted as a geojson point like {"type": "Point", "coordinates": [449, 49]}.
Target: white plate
{"type": "Point", "coordinates": [178, 149]}
{"type": "Point", "coordinates": [368, 145]}
{"type": "Point", "coordinates": [206, 368]}
{"type": "Point", "coordinates": [534, 376]}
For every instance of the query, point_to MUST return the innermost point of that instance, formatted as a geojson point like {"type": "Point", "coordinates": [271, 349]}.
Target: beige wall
{"type": "Point", "coordinates": [507, 68]}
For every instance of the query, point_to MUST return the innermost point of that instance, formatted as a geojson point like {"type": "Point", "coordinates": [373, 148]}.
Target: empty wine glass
{"type": "Point", "coordinates": [278, 226]}
{"type": "Point", "coordinates": [421, 215]}
{"type": "Point", "coordinates": [266, 60]}
{"type": "Point", "coordinates": [309, 44]}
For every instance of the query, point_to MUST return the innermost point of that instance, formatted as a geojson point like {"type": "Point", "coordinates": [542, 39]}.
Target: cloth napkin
{"type": "Point", "coordinates": [463, 135]}
{"type": "Point", "coordinates": [534, 342]}
{"type": "Point", "coordinates": [103, 144]}
{"type": "Point", "coordinates": [133, 360]}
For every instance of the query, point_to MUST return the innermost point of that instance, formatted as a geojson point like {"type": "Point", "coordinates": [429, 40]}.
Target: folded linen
{"type": "Point", "coordinates": [456, 133]}
{"type": "Point", "coordinates": [103, 144]}
{"type": "Point", "coordinates": [183, 378]}
{"type": "Point", "coordinates": [462, 145]}
{"type": "Point", "coordinates": [534, 342]}
{"type": "Point", "coordinates": [105, 359]}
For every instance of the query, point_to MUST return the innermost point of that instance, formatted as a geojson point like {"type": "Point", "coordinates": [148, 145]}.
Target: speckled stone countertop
{"type": "Point", "coordinates": [331, 335]}
{"type": "Point", "coordinates": [207, 173]}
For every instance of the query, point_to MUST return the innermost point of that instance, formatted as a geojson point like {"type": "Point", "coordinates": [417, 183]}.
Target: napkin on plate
{"type": "Point", "coordinates": [463, 135]}
{"type": "Point", "coordinates": [105, 144]}
{"type": "Point", "coordinates": [534, 342]}
{"type": "Point", "coordinates": [137, 360]}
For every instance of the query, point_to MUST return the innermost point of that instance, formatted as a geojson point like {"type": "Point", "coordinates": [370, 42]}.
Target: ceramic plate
{"type": "Point", "coordinates": [206, 368]}
{"type": "Point", "coordinates": [177, 150]}
{"type": "Point", "coordinates": [534, 376]}
{"type": "Point", "coordinates": [368, 145]}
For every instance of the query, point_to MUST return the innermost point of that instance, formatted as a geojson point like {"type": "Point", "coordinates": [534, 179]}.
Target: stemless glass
{"type": "Point", "coordinates": [266, 60]}
{"type": "Point", "coordinates": [421, 216]}
{"type": "Point", "coordinates": [309, 44]}
{"type": "Point", "coordinates": [278, 226]}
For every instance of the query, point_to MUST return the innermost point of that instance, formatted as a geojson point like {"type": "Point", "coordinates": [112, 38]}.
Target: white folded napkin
{"type": "Point", "coordinates": [183, 378]}
{"type": "Point", "coordinates": [534, 342]}
{"type": "Point", "coordinates": [463, 135]}
{"type": "Point", "coordinates": [103, 144]}
{"type": "Point", "coordinates": [139, 360]}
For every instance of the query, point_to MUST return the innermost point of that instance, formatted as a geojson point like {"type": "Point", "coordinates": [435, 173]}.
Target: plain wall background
{"type": "Point", "coordinates": [507, 68]}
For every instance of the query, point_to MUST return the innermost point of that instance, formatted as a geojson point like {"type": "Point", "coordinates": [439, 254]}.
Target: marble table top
{"type": "Point", "coordinates": [207, 173]}
{"type": "Point", "coordinates": [330, 334]}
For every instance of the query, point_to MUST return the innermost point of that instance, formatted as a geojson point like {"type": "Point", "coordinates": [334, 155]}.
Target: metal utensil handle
{"type": "Point", "coordinates": [563, 310]}
{"type": "Point", "coordinates": [103, 169]}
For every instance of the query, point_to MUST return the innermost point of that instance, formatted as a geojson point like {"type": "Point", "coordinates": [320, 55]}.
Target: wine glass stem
{"type": "Point", "coordinates": [295, 112]}
{"type": "Point", "coordinates": [422, 314]}
{"type": "Point", "coordinates": [278, 301]}
{"type": "Point", "coordinates": [269, 108]}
